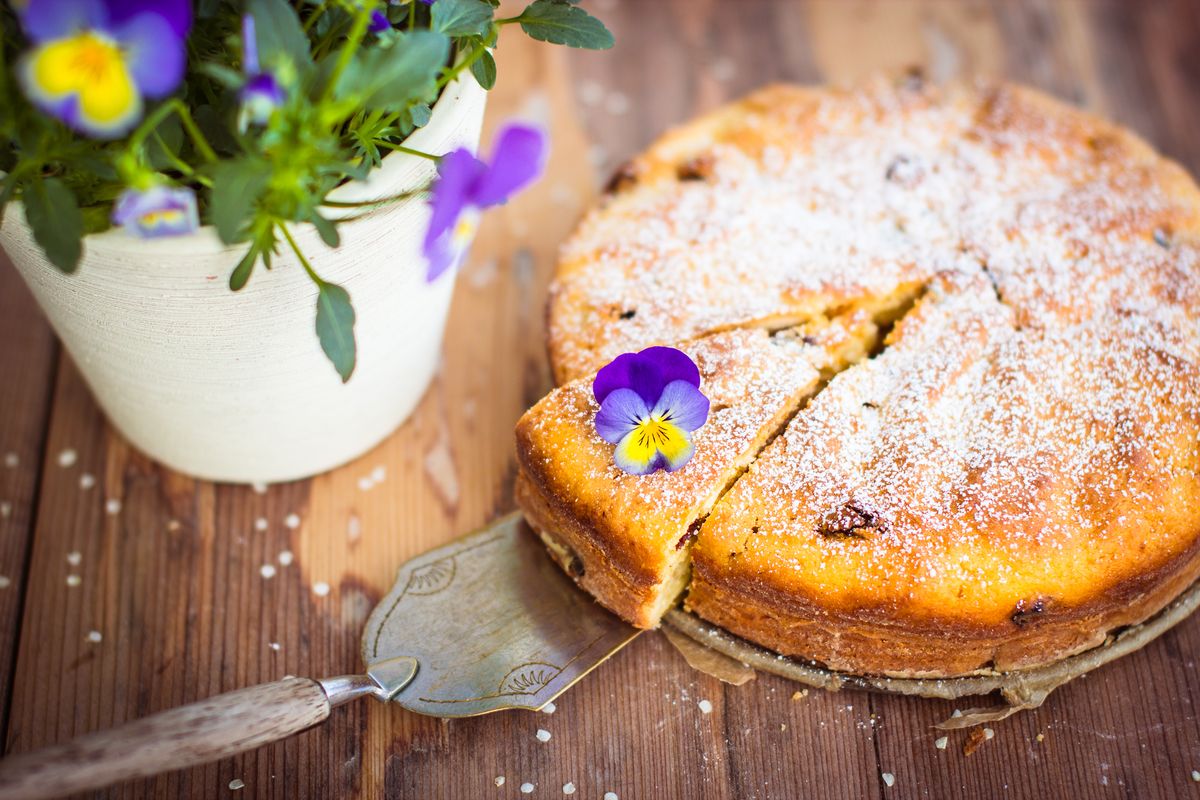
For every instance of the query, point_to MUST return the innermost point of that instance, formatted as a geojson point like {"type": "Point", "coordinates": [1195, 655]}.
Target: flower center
{"type": "Point", "coordinates": [464, 229]}
{"type": "Point", "coordinates": [654, 431]}
{"type": "Point", "coordinates": [94, 57]}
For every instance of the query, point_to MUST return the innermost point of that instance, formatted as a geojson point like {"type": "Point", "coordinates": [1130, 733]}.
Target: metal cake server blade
{"type": "Point", "coordinates": [485, 623]}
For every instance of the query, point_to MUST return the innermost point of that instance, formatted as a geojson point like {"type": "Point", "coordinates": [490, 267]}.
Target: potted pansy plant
{"type": "Point", "coordinates": [243, 217]}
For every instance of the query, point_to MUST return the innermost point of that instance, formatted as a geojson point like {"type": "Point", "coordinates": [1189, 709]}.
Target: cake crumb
{"type": "Point", "coordinates": [1041, 737]}
{"type": "Point", "coordinates": [543, 735]}
{"type": "Point", "coordinates": [320, 588]}
{"type": "Point", "coordinates": [568, 788]}
{"type": "Point", "coordinates": [499, 780]}
{"type": "Point", "coordinates": [889, 779]}
{"type": "Point", "coordinates": [5, 582]}
{"type": "Point", "coordinates": [705, 707]}
{"type": "Point", "coordinates": [974, 741]}
{"type": "Point", "coordinates": [267, 571]}
{"type": "Point", "coordinates": [941, 742]}
{"type": "Point", "coordinates": [67, 458]}
{"type": "Point", "coordinates": [237, 783]}
{"type": "Point", "coordinates": [800, 695]}
{"type": "Point", "coordinates": [526, 788]}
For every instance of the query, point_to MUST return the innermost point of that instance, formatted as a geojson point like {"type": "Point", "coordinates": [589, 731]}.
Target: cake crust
{"type": "Point", "coordinates": [1015, 474]}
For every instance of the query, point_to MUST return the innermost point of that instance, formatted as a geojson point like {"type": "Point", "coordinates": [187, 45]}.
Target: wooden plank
{"type": "Point", "coordinates": [27, 355]}
{"type": "Point", "coordinates": [173, 582]}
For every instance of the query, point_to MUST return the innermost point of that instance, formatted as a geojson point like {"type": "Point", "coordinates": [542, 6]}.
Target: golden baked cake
{"type": "Point", "coordinates": [1012, 473]}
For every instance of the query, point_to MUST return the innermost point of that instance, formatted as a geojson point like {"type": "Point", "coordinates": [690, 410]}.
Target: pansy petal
{"type": "Point", "coordinates": [612, 376]}
{"type": "Point", "coordinates": [674, 446]}
{"type": "Point", "coordinates": [249, 45]}
{"type": "Point", "coordinates": [635, 456]}
{"type": "Point", "coordinates": [175, 13]}
{"type": "Point", "coordinates": [379, 22]}
{"type": "Point", "coordinates": [619, 414]}
{"type": "Point", "coordinates": [517, 159]}
{"type": "Point", "coordinates": [43, 20]}
{"type": "Point", "coordinates": [457, 172]}
{"type": "Point", "coordinates": [683, 405]}
{"type": "Point", "coordinates": [156, 55]}
{"type": "Point", "coordinates": [101, 102]}
{"type": "Point", "coordinates": [672, 364]}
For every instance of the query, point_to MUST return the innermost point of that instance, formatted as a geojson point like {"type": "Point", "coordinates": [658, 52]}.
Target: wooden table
{"type": "Point", "coordinates": [109, 614]}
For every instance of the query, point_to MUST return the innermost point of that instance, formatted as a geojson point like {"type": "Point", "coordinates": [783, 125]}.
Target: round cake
{"type": "Point", "coordinates": [966, 322]}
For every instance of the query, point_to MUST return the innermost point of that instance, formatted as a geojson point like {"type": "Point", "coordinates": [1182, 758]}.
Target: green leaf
{"type": "Point", "coordinates": [461, 17]}
{"type": "Point", "coordinates": [560, 22]}
{"type": "Point", "coordinates": [279, 33]}
{"type": "Point", "coordinates": [484, 70]}
{"type": "Point", "coordinates": [56, 221]}
{"type": "Point", "coordinates": [327, 229]}
{"type": "Point", "coordinates": [393, 77]}
{"type": "Point", "coordinates": [241, 273]}
{"type": "Point", "coordinates": [335, 327]}
{"type": "Point", "coordinates": [237, 185]}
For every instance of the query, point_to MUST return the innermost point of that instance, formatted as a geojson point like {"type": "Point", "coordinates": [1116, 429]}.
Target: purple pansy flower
{"type": "Point", "coordinates": [157, 211]}
{"type": "Point", "coordinates": [261, 93]}
{"type": "Point", "coordinates": [379, 22]}
{"type": "Point", "coordinates": [466, 185]}
{"type": "Point", "coordinates": [93, 62]}
{"type": "Point", "coordinates": [650, 403]}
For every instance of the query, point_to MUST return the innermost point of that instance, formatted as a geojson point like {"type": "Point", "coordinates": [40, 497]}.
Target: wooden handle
{"type": "Point", "coordinates": [193, 734]}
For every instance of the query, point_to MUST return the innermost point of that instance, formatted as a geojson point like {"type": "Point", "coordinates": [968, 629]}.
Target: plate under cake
{"type": "Point", "coordinates": [1011, 475]}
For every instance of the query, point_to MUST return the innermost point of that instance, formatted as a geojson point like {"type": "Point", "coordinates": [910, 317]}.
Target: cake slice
{"type": "Point", "coordinates": [626, 538]}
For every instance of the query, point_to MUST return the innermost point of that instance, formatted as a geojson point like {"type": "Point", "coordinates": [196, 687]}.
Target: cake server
{"type": "Point", "coordinates": [482, 624]}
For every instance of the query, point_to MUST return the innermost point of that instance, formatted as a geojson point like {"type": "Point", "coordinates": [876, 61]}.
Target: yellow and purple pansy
{"type": "Point", "coordinates": [650, 403]}
{"type": "Point", "coordinates": [93, 63]}
{"type": "Point", "coordinates": [157, 211]}
{"type": "Point", "coordinates": [465, 186]}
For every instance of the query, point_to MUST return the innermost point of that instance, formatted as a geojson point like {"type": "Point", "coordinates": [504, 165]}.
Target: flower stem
{"type": "Point", "coordinates": [353, 41]}
{"type": "Point", "coordinates": [138, 139]}
{"type": "Point", "coordinates": [315, 15]}
{"type": "Point", "coordinates": [471, 58]}
{"type": "Point", "coordinates": [381, 201]}
{"type": "Point", "coordinates": [411, 152]}
{"type": "Point", "coordinates": [312, 273]}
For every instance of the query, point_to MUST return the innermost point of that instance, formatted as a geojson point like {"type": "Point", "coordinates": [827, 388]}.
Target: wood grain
{"type": "Point", "coordinates": [174, 584]}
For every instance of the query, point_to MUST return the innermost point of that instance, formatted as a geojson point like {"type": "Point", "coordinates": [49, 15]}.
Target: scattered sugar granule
{"type": "Point", "coordinates": [260, 524]}
{"type": "Point", "coordinates": [1196, 775]}
{"type": "Point", "coordinates": [274, 646]}
{"type": "Point", "coordinates": [286, 557]}
{"type": "Point", "coordinates": [354, 528]}
{"type": "Point", "coordinates": [5, 509]}
{"type": "Point", "coordinates": [86, 481]}
{"type": "Point", "coordinates": [292, 521]}
{"type": "Point", "coordinates": [988, 733]}
{"type": "Point", "coordinates": [74, 580]}
{"type": "Point", "coordinates": [237, 783]}
{"type": "Point", "coordinates": [174, 525]}
{"type": "Point", "coordinates": [67, 458]}
{"type": "Point", "coordinates": [5, 582]}
{"type": "Point", "coordinates": [941, 742]}
{"type": "Point", "coordinates": [11, 460]}
{"type": "Point", "coordinates": [526, 788]}
{"type": "Point", "coordinates": [543, 735]}
{"type": "Point", "coordinates": [379, 474]}
{"type": "Point", "coordinates": [499, 781]}
{"type": "Point", "coordinates": [591, 93]}
{"type": "Point", "coordinates": [259, 487]}
{"type": "Point", "coordinates": [782, 726]}
{"type": "Point", "coordinates": [611, 796]}
{"type": "Point", "coordinates": [956, 713]}
{"type": "Point", "coordinates": [112, 506]}
{"type": "Point", "coordinates": [365, 483]}
{"type": "Point", "coordinates": [95, 637]}
{"type": "Point", "coordinates": [267, 570]}
{"type": "Point", "coordinates": [723, 69]}
{"type": "Point", "coordinates": [320, 588]}
{"type": "Point", "coordinates": [617, 104]}
{"type": "Point", "coordinates": [705, 707]}
{"type": "Point", "coordinates": [889, 779]}
{"type": "Point", "coordinates": [74, 558]}
{"type": "Point", "coordinates": [568, 788]}
{"type": "Point", "coordinates": [549, 708]}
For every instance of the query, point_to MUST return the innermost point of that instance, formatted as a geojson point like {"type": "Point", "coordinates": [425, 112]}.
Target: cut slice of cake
{"type": "Point", "coordinates": [626, 538]}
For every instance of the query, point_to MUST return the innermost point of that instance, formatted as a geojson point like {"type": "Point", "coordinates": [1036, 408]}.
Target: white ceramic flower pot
{"type": "Point", "coordinates": [233, 386]}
